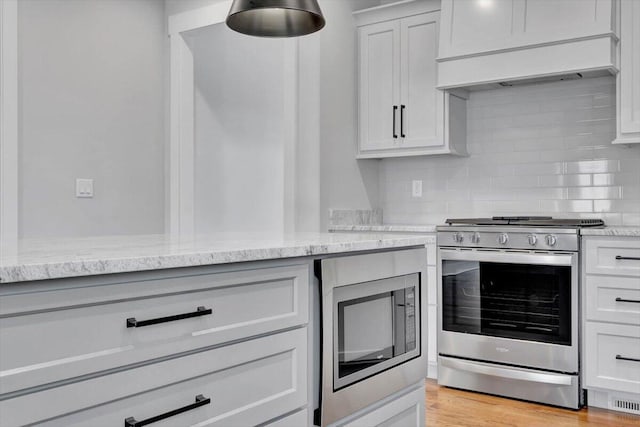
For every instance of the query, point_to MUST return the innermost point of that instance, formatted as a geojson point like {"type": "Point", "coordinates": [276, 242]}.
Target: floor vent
{"type": "Point", "coordinates": [625, 405]}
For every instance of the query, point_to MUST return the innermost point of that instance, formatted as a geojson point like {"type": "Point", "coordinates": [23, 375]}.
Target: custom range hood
{"type": "Point", "coordinates": [486, 43]}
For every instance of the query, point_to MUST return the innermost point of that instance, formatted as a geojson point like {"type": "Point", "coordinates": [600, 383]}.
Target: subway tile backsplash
{"type": "Point", "coordinates": [542, 149]}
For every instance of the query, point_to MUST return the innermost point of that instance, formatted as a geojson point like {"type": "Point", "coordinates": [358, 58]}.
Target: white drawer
{"type": "Point", "coordinates": [607, 347]}
{"type": "Point", "coordinates": [618, 257]}
{"type": "Point", "coordinates": [297, 419]}
{"type": "Point", "coordinates": [613, 299]}
{"type": "Point", "coordinates": [248, 383]}
{"type": "Point", "coordinates": [404, 411]}
{"type": "Point", "coordinates": [88, 331]}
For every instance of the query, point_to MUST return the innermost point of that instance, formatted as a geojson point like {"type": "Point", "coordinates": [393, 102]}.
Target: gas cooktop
{"type": "Point", "coordinates": [528, 221]}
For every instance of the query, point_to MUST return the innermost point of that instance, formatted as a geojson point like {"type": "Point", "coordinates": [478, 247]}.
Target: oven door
{"type": "Point", "coordinates": [518, 307]}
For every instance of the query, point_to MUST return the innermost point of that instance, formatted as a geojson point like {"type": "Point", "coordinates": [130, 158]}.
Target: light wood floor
{"type": "Point", "coordinates": [450, 407]}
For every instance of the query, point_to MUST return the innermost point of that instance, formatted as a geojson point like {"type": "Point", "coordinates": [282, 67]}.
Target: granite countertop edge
{"type": "Point", "coordinates": [386, 228]}
{"type": "Point", "coordinates": [616, 231]}
{"type": "Point", "coordinates": [621, 230]}
{"type": "Point", "coordinates": [85, 260]}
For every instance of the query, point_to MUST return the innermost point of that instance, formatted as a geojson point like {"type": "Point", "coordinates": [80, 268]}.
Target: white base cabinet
{"type": "Point", "coordinates": [404, 409]}
{"type": "Point", "coordinates": [97, 351]}
{"type": "Point", "coordinates": [611, 324]}
{"type": "Point", "coordinates": [628, 80]}
{"type": "Point", "coordinates": [400, 111]}
{"type": "Point", "coordinates": [246, 384]}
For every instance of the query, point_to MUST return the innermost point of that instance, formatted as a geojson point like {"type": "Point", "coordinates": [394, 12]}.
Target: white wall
{"type": "Point", "coordinates": [543, 149]}
{"type": "Point", "coordinates": [91, 106]}
{"type": "Point", "coordinates": [345, 182]}
{"type": "Point", "coordinates": [327, 174]}
{"type": "Point", "coordinates": [240, 129]}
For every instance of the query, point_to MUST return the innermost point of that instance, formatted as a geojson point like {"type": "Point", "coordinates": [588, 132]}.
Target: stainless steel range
{"type": "Point", "coordinates": [508, 310]}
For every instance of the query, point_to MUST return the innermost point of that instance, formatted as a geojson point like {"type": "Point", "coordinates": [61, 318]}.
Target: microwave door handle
{"type": "Point", "coordinates": [398, 321]}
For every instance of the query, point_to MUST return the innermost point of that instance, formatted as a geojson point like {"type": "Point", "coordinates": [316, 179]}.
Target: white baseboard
{"type": "Point", "coordinates": [614, 401]}
{"type": "Point", "coordinates": [432, 370]}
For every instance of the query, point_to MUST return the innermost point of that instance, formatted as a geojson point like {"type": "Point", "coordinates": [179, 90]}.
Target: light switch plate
{"type": "Point", "coordinates": [416, 188]}
{"type": "Point", "coordinates": [84, 187]}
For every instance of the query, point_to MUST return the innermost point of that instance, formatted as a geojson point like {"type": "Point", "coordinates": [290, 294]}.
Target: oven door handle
{"type": "Point", "coordinates": [509, 373]}
{"type": "Point", "coordinates": [508, 257]}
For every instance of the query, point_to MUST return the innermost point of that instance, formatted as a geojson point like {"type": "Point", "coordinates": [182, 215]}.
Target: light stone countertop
{"type": "Point", "coordinates": [393, 228]}
{"type": "Point", "coordinates": [617, 231]}
{"type": "Point", "coordinates": [60, 258]}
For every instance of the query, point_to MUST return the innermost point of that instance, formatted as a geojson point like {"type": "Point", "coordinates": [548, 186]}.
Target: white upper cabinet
{"type": "Point", "coordinates": [486, 41]}
{"type": "Point", "coordinates": [401, 113]}
{"type": "Point", "coordinates": [421, 104]}
{"type": "Point", "coordinates": [379, 84]}
{"type": "Point", "coordinates": [628, 83]}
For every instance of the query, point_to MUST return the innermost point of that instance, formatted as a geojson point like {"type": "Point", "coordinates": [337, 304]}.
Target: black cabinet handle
{"type": "Point", "coordinates": [200, 401]}
{"type": "Point", "coordinates": [402, 107]}
{"type": "Point", "coordinates": [200, 311]}
{"type": "Point", "coordinates": [630, 359]}
{"type": "Point", "coordinates": [395, 108]}
{"type": "Point", "coordinates": [627, 300]}
{"type": "Point", "coordinates": [628, 258]}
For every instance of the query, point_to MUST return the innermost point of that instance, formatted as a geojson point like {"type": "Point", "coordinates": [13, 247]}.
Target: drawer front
{"type": "Point", "coordinates": [52, 345]}
{"type": "Point", "coordinates": [618, 257]}
{"type": "Point", "coordinates": [613, 299]}
{"type": "Point", "coordinates": [298, 419]}
{"type": "Point", "coordinates": [612, 359]}
{"type": "Point", "coordinates": [247, 384]}
{"type": "Point", "coordinates": [405, 411]}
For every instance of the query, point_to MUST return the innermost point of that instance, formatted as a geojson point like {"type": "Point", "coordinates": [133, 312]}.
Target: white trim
{"type": "Point", "coordinates": [8, 125]}
{"type": "Point", "coordinates": [609, 34]}
{"type": "Point", "coordinates": [182, 139]}
{"type": "Point", "coordinates": [290, 66]}
{"type": "Point", "coordinates": [198, 18]}
{"type": "Point", "coordinates": [181, 149]}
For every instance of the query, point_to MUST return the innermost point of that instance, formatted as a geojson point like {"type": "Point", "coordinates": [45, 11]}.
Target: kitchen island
{"type": "Point", "coordinates": [216, 330]}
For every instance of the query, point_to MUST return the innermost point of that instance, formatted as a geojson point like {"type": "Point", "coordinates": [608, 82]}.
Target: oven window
{"type": "Point", "coordinates": [374, 329]}
{"type": "Point", "coordinates": [522, 301]}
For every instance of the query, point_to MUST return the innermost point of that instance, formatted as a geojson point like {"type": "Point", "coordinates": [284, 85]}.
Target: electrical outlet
{"type": "Point", "coordinates": [416, 188]}
{"type": "Point", "coordinates": [84, 187]}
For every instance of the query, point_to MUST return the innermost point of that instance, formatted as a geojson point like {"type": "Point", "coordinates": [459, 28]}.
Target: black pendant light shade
{"type": "Point", "coordinates": [275, 18]}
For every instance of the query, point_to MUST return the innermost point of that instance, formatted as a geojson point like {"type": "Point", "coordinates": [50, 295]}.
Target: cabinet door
{"type": "Point", "coordinates": [421, 103]}
{"type": "Point", "coordinates": [612, 357]}
{"type": "Point", "coordinates": [249, 383]}
{"type": "Point", "coordinates": [379, 85]}
{"type": "Point", "coordinates": [405, 411]}
{"type": "Point", "coordinates": [630, 68]}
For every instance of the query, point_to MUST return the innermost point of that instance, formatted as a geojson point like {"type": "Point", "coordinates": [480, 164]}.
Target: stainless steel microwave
{"type": "Point", "coordinates": [372, 328]}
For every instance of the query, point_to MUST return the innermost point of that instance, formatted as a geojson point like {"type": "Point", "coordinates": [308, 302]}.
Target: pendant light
{"type": "Point", "coordinates": [275, 18]}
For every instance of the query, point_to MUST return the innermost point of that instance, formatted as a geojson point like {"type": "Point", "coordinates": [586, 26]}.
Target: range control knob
{"type": "Point", "coordinates": [503, 238]}
{"type": "Point", "coordinates": [551, 240]}
{"type": "Point", "coordinates": [533, 239]}
{"type": "Point", "coordinates": [458, 237]}
{"type": "Point", "coordinates": [475, 238]}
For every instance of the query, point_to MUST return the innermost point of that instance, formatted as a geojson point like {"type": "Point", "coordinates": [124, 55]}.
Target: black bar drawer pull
{"type": "Point", "coordinates": [395, 108]}
{"type": "Point", "coordinates": [200, 311]}
{"type": "Point", "coordinates": [630, 359]}
{"type": "Point", "coordinates": [200, 401]}
{"type": "Point", "coordinates": [402, 107]}
{"type": "Point", "coordinates": [627, 300]}
{"type": "Point", "coordinates": [628, 258]}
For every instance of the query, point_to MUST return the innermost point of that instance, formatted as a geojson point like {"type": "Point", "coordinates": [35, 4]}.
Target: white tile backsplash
{"type": "Point", "coordinates": [542, 149]}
